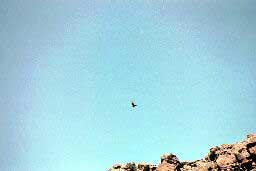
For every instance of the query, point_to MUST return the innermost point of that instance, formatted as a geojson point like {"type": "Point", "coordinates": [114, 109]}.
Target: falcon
{"type": "Point", "coordinates": [133, 104]}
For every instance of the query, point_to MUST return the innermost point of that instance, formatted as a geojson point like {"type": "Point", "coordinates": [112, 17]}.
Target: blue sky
{"type": "Point", "coordinates": [68, 71]}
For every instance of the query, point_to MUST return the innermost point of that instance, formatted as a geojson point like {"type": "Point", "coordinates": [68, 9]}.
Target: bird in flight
{"type": "Point", "coordinates": [133, 104]}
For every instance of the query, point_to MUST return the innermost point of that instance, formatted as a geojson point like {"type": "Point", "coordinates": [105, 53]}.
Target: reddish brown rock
{"type": "Point", "coordinates": [252, 150]}
{"type": "Point", "coordinates": [169, 158]}
{"type": "Point", "coordinates": [240, 156]}
{"type": "Point", "coordinates": [169, 162]}
{"type": "Point", "coordinates": [146, 167]}
{"type": "Point", "coordinates": [167, 167]}
{"type": "Point", "coordinates": [226, 160]}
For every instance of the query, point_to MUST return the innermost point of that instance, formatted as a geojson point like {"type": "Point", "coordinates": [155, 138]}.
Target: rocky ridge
{"type": "Point", "coordinates": [240, 156]}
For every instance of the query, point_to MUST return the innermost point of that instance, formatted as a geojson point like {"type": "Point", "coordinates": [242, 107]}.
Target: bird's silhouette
{"type": "Point", "coordinates": [133, 104]}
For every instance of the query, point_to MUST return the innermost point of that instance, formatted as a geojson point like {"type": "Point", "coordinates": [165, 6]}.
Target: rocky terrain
{"type": "Point", "coordinates": [227, 157]}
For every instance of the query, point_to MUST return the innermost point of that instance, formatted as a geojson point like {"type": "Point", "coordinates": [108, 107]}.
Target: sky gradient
{"type": "Point", "coordinates": [68, 71]}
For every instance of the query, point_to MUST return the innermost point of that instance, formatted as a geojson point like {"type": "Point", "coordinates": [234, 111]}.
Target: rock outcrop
{"type": "Point", "coordinates": [240, 156]}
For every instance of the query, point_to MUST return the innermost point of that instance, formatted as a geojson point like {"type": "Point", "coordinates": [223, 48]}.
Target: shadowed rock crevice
{"type": "Point", "coordinates": [240, 156]}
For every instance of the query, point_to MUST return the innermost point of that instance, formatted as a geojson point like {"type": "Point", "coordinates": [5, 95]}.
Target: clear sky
{"type": "Point", "coordinates": [69, 69]}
